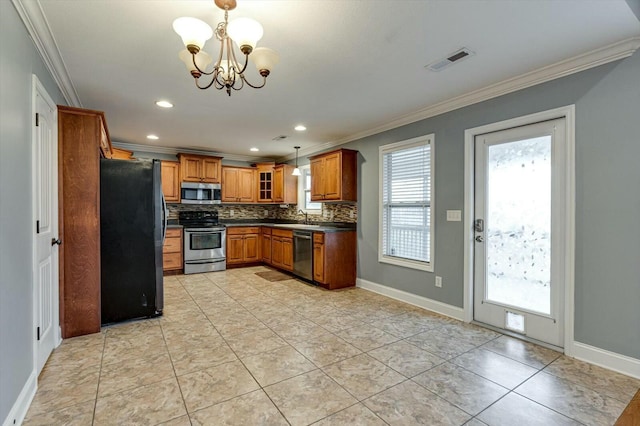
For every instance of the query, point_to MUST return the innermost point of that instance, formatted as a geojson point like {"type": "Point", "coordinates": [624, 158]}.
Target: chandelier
{"type": "Point", "coordinates": [227, 73]}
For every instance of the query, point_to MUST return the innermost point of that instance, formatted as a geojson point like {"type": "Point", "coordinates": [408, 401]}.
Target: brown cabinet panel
{"type": "Point", "coordinates": [252, 248]}
{"type": "Point", "coordinates": [266, 248]}
{"type": "Point", "coordinates": [200, 168]}
{"type": "Point", "coordinates": [171, 261]}
{"type": "Point", "coordinates": [265, 182]}
{"type": "Point", "coordinates": [318, 262]}
{"type": "Point", "coordinates": [276, 250]}
{"type": "Point", "coordinates": [235, 249]}
{"type": "Point", "coordinates": [287, 254]}
{"type": "Point", "coordinates": [172, 245]}
{"type": "Point", "coordinates": [170, 172]}
{"type": "Point", "coordinates": [172, 250]}
{"type": "Point", "coordinates": [121, 154]}
{"type": "Point", "coordinates": [82, 139]}
{"type": "Point", "coordinates": [211, 169]}
{"type": "Point", "coordinates": [238, 185]}
{"type": "Point", "coordinates": [334, 259]}
{"type": "Point", "coordinates": [334, 176]}
{"type": "Point", "coordinates": [285, 185]}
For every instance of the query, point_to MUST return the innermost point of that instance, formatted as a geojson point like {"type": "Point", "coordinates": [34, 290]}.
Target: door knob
{"type": "Point", "coordinates": [55, 241]}
{"type": "Point", "coordinates": [479, 239]}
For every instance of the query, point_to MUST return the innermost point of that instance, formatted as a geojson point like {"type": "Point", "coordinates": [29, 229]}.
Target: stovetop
{"type": "Point", "coordinates": [199, 218]}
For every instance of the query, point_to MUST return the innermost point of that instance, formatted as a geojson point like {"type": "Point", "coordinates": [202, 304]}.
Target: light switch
{"type": "Point", "coordinates": [454, 215]}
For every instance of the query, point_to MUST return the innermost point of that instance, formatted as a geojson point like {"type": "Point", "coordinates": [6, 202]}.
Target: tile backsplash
{"type": "Point", "coordinates": [347, 213]}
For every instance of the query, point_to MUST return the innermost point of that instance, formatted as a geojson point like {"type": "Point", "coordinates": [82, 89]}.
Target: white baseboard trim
{"type": "Point", "coordinates": [607, 359]}
{"type": "Point", "coordinates": [21, 406]}
{"type": "Point", "coordinates": [412, 299]}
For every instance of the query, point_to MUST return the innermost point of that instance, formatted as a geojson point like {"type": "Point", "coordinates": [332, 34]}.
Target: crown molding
{"type": "Point", "coordinates": [33, 17]}
{"type": "Point", "coordinates": [174, 151]}
{"type": "Point", "coordinates": [613, 52]}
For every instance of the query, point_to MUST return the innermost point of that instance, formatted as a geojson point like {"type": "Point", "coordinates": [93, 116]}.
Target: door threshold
{"type": "Point", "coordinates": [519, 336]}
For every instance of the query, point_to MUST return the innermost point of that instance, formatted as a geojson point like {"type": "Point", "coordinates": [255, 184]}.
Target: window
{"type": "Point", "coordinates": [406, 202]}
{"type": "Point", "coordinates": [304, 192]}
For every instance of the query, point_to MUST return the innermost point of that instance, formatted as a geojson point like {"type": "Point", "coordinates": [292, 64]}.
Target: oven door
{"type": "Point", "coordinates": [204, 243]}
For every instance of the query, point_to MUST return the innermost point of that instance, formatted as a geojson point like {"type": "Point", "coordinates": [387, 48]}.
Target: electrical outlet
{"type": "Point", "coordinates": [265, 212]}
{"type": "Point", "coordinates": [231, 213]}
{"type": "Point", "coordinates": [351, 215]}
{"type": "Point", "coordinates": [438, 281]}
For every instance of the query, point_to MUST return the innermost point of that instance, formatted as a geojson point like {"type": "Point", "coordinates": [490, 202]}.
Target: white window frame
{"type": "Point", "coordinates": [302, 205]}
{"type": "Point", "coordinates": [384, 149]}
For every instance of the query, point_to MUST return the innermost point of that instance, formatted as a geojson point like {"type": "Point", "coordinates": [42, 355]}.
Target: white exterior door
{"type": "Point", "coordinates": [45, 170]}
{"type": "Point", "coordinates": [520, 181]}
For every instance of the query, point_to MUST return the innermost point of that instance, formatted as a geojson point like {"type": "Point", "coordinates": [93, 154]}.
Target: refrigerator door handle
{"type": "Point", "coordinates": [165, 215]}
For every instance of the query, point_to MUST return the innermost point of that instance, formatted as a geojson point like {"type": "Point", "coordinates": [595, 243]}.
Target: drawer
{"type": "Point", "coordinates": [318, 237]}
{"type": "Point", "coordinates": [172, 245]}
{"type": "Point", "coordinates": [172, 261]}
{"type": "Point", "coordinates": [282, 233]}
{"type": "Point", "coordinates": [266, 230]}
{"type": "Point", "coordinates": [174, 232]}
{"type": "Point", "coordinates": [242, 230]}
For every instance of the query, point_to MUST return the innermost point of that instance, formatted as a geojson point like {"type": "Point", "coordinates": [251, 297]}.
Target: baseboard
{"type": "Point", "coordinates": [412, 299]}
{"type": "Point", "coordinates": [21, 406]}
{"type": "Point", "coordinates": [606, 359]}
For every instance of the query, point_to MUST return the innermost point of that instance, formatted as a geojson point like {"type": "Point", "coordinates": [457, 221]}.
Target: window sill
{"type": "Point", "coordinates": [406, 263]}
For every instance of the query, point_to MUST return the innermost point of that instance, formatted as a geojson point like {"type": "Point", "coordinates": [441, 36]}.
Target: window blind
{"type": "Point", "coordinates": [406, 202]}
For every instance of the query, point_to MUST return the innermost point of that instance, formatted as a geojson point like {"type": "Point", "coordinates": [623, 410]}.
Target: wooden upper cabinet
{"type": "Point", "coordinates": [285, 185]}
{"type": "Point", "coordinates": [265, 182]}
{"type": "Point", "coordinates": [238, 185]}
{"type": "Point", "coordinates": [170, 172]}
{"type": "Point", "coordinates": [121, 154]}
{"type": "Point", "coordinates": [200, 168]}
{"type": "Point", "coordinates": [334, 176]}
{"type": "Point", "coordinates": [106, 150]}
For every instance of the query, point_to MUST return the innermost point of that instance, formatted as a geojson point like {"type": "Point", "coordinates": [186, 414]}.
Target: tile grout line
{"type": "Point", "coordinates": [95, 405]}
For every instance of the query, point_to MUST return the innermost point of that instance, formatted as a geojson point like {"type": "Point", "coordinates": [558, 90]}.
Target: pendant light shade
{"type": "Point", "coordinates": [296, 171]}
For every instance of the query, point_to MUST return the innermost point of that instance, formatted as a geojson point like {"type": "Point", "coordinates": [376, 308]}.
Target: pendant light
{"type": "Point", "coordinates": [296, 171]}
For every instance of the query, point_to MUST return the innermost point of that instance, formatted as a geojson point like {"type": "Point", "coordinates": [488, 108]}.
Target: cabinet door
{"type": "Point", "coordinates": [190, 169]}
{"type": "Point", "coordinates": [235, 249]}
{"type": "Point", "coordinates": [318, 262]}
{"type": "Point", "coordinates": [266, 248]}
{"type": "Point", "coordinates": [265, 186]}
{"type": "Point", "coordinates": [317, 179]}
{"type": "Point", "coordinates": [287, 253]}
{"type": "Point", "coordinates": [251, 248]}
{"type": "Point", "coordinates": [278, 185]}
{"type": "Point", "coordinates": [332, 177]}
{"type": "Point", "coordinates": [170, 173]}
{"type": "Point", "coordinates": [276, 251]}
{"type": "Point", "coordinates": [247, 185]}
{"type": "Point", "coordinates": [230, 185]}
{"type": "Point", "coordinates": [211, 169]}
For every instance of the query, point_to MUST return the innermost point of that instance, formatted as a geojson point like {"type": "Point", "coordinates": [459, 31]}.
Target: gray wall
{"type": "Point", "coordinates": [607, 296]}
{"type": "Point", "coordinates": [18, 60]}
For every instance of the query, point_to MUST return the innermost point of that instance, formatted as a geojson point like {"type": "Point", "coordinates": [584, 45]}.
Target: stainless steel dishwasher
{"type": "Point", "coordinates": [303, 254]}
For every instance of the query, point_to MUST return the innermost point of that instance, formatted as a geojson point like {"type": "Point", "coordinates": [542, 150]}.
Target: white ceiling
{"type": "Point", "coordinates": [346, 66]}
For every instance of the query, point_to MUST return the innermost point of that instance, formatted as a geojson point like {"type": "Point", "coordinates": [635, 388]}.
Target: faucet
{"type": "Point", "coordinates": [306, 218]}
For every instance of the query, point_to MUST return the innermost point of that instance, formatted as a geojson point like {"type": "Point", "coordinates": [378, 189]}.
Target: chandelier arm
{"type": "Point", "coordinates": [264, 81]}
{"type": "Point", "coordinates": [235, 60]}
{"type": "Point", "coordinates": [193, 57]}
{"type": "Point", "coordinates": [206, 86]}
{"type": "Point", "coordinates": [242, 81]}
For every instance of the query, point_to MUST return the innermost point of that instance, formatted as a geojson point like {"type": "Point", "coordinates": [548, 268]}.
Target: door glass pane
{"type": "Point", "coordinates": [518, 225]}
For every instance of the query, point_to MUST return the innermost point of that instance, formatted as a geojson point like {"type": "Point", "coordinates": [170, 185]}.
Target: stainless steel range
{"type": "Point", "coordinates": [204, 242]}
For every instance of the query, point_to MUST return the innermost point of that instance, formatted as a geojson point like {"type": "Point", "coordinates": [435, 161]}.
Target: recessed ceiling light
{"type": "Point", "coordinates": [300, 128]}
{"type": "Point", "coordinates": [164, 104]}
{"type": "Point", "coordinates": [153, 137]}
{"type": "Point", "coordinates": [254, 149]}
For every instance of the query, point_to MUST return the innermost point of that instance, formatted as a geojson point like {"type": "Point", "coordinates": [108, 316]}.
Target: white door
{"type": "Point", "coordinates": [520, 178]}
{"type": "Point", "coordinates": [45, 169]}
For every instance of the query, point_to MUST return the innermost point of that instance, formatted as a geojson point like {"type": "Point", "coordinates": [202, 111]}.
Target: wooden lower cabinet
{"type": "Point", "coordinates": [334, 259]}
{"type": "Point", "coordinates": [282, 249]}
{"type": "Point", "coordinates": [172, 250]}
{"type": "Point", "coordinates": [266, 245]}
{"type": "Point", "coordinates": [243, 245]}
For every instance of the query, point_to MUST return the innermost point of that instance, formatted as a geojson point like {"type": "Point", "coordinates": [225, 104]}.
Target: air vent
{"type": "Point", "coordinates": [456, 56]}
{"type": "Point", "coordinates": [279, 138]}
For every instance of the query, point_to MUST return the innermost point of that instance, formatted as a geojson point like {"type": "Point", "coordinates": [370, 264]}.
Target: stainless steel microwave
{"type": "Point", "coordinates": [200, 193]}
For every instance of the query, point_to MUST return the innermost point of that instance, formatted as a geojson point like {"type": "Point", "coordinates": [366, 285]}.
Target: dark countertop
{"type": "Point", "coordinates": [324, 227]}
{"type": "Point", "coordinates": [173, 226]}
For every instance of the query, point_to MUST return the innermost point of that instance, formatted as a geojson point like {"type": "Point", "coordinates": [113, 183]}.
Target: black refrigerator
{"type": "Point", "coordinates": [131, 237]}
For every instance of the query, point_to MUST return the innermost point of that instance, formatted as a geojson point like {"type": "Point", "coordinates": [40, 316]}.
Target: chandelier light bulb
{"type": "Point", "coordinates": [245, 32]}
{"type": "Point", "coordinates": [193, 32]}
{"type": "Point", "coordinates": [264, 59]}
{"type": "Point", "coordinates": [203, 59]}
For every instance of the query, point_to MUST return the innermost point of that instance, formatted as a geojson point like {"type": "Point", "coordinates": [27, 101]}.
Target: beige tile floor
{"type": "Point", "coordinates": [233, 348]}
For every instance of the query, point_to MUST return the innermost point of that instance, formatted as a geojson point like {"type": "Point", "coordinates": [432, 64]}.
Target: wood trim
{"type": "Point", "coordinates": [631, 415]}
